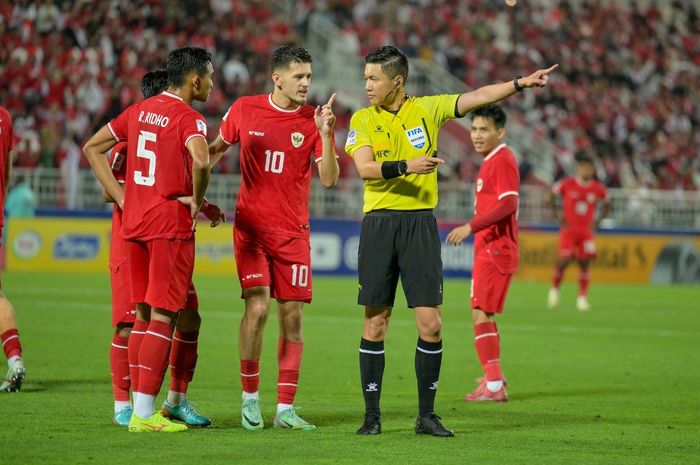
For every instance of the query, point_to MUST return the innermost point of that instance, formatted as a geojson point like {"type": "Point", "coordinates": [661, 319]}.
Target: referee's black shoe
{"type": "Point", "coordinates": [430, 423]}
{"type": "Point", "coordinates": [372, 425]}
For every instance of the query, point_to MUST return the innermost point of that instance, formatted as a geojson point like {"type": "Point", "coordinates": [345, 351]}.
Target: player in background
{"type": "Point", "coordinates": [183, 354]}
{"type": "Point", "coordinates": [394, 146]}
{"type": "Point", "coordinates": [167, 158]}
{"type": "Point", "coordinates": [279, 135]}
{"type": "Point", "coordinates": [9, 335]}
{"type": "Point", "coordinates": [495, 229]}
{"type": "Point", "coordinates": [580, 195]}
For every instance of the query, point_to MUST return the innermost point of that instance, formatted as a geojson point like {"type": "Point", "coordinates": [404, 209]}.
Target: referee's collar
{"type": "Point", "coordinates": [494, 150]}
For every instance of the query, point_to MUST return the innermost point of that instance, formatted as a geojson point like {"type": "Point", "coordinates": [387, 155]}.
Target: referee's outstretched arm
{"type": "Point", "coordinates": [493, 93]}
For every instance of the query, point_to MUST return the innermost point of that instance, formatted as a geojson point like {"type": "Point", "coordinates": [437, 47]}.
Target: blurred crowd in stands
{"type": "Point", "coordinates": [627, 90]}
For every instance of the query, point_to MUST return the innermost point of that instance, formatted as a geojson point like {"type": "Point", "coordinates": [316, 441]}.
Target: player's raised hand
{"type": "Point", "coordinates": [537, 79]}
{"type": "Point", "coordinates": [423, 165]}
{"type": "Point", "coordinates": [458, 235]}
{"type": "Point", "coordinates": [324, 117]}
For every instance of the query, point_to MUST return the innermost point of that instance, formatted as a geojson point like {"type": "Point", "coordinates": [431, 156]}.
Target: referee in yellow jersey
{"type": "Point", "coordinates": [394, 146]}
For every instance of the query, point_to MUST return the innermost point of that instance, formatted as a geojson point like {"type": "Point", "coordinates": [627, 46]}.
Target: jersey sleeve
{"type": "Point", "coordinates": [507, 178]}
{"type": "Point", "coordinates": [602, 191]}
{"type": "Point", "coordinates": [119, 126]}
{"type": "Point", "coordinates": [358, 135]}
{"type": "Point", "coordinates": [229, 131]}
{"type": "Point", "coordinates": [192, 124]}
{"type": "Point", "coordinates": [559, 187]}
{"type": "Point", "coordinates": [442, 108]}
{"type": "Point", "coordinates": [117, 160]}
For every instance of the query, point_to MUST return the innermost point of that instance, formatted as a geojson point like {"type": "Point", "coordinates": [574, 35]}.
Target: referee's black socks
{"type": "Point", "coordinates": [371, 373]}
{"type": "Point", "coordinates": [428, 361]}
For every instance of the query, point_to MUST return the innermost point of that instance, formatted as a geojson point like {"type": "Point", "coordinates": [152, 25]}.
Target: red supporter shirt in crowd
{"type": "Point", "coordinates": [277, 146]}
{"type": "Point", "coordinates": [159, 166]}
{"type": "Point", "coordinates": [498, 177]}
{"type": "Point", "coordinates": [6, 144]}
{"type": "Point", "coordinates": [579, 201]}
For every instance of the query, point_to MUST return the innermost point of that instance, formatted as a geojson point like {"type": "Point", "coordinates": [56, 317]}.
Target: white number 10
{"type": "Point", "coordinates": [300, 275]}
{"type": "Point", "coordinates": [150, 155]}
{"type": "Point", "coordinates": [274, 161]}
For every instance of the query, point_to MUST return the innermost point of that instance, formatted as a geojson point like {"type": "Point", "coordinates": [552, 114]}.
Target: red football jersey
{"type": "Point", "coordinates": [498, 177]}
{"type": "Point", "coordinates": [159, 166]}
{"type": "Point", "coordinates": [579, 201]}
{"type": "Point", "coordinates": [117, 160]}
{"type": "Point", "coordinates": [277, 147]}
{"type": "Point", "coordinates": [6, 144]}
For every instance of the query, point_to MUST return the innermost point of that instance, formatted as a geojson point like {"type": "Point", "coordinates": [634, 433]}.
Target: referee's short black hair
{"type": "Point", "coordinates": [287, 54]}
{"type": "Point", "coordinates": [154, 82]}
{"type": "Point", "coordinates": [185, 60]}
{"type": "Point", "coordinates": [492, 112]}
{"type": "Point", "coordinates": [393, 61]}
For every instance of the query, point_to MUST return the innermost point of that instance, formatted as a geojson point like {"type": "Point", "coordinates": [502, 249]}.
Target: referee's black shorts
{"type": "Point", "coordinates": [400, 243]}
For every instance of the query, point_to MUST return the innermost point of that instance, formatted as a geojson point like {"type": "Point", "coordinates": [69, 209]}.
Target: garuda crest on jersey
{"type": "Point", "coordinates": [297, 139]}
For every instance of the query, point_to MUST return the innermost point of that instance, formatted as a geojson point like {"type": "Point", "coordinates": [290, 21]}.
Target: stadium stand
{"type": "Point", "coordinates": [623, 95]}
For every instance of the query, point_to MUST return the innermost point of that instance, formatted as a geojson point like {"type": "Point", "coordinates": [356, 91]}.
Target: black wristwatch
{"type": "Point", "coordinates": [403, 167]}
{"type": "Point", "coordinates": [518, 87]}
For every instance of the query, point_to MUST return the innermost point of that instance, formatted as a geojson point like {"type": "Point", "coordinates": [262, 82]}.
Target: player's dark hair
{"type": "Point", "coordinates": [287, 54]}
{"type": "Point", "coordinates": [154, 82]}
{"type": "Point", "coordinates": [583, 158]}
{"type": "Point", "coordinates": [393, 61]}
{"type": "Point", "coordinates": [183, 61]}
{"type": "Point", "coordinates": [492, 112]}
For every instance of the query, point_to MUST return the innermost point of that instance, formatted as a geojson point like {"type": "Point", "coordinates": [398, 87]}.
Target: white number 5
{"type": "Point", "coordinates": [150, 155]}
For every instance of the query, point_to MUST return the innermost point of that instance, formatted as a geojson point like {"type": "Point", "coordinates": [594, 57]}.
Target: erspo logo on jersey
{"type": "Point", "coordinates": [76, 247]}
{"type": "Point", "coordinates": [416, 137]}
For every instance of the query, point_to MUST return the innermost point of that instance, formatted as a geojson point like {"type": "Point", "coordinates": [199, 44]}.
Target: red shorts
{"type": "Point", "coordinates": [489, 285]}
{"type": "Point", "coordinates": [578, 244]}
{"type": "Point", "coordinates": [279, 262]}
{"type": "Point", "coordinates": [123, 309]}
{"type": "Point", "coordinates": [161, 272]}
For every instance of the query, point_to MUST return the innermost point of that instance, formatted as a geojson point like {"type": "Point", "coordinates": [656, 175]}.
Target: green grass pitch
{"type": "Point", "coordinates": [616, 385]}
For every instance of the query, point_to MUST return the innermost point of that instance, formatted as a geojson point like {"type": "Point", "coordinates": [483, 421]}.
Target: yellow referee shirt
{"type": "Point", "coordinates": [408, 134]}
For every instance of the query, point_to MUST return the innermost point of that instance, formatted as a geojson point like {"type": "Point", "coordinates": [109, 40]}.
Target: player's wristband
{"type": "Point", "coordinates": [518, 87]}
{"type": "Point", "coordinates": [390, 169]}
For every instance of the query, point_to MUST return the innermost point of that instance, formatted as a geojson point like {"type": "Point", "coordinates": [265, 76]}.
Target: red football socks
{"type": "Point", "coordinates": [153, 357]}
{"type": "Point", "coordinates": [250, 375]}
{"type": "Point", "coordinates": [10, 343]}
{"type": "Point", "coordinates": [119, 366]}
{"type": "Point", "coordinates": [135, 339]}
{"type": "Point", "coordinates": [289, 359]}
{"type": "Point", "coordinates": [584, 279]}
{"type": "Point", "coordinates": [557, 276]}
{"type": "Point", "coordinates": [488, 348]}
{"type": "Point", "coordinates": [183, 359]}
